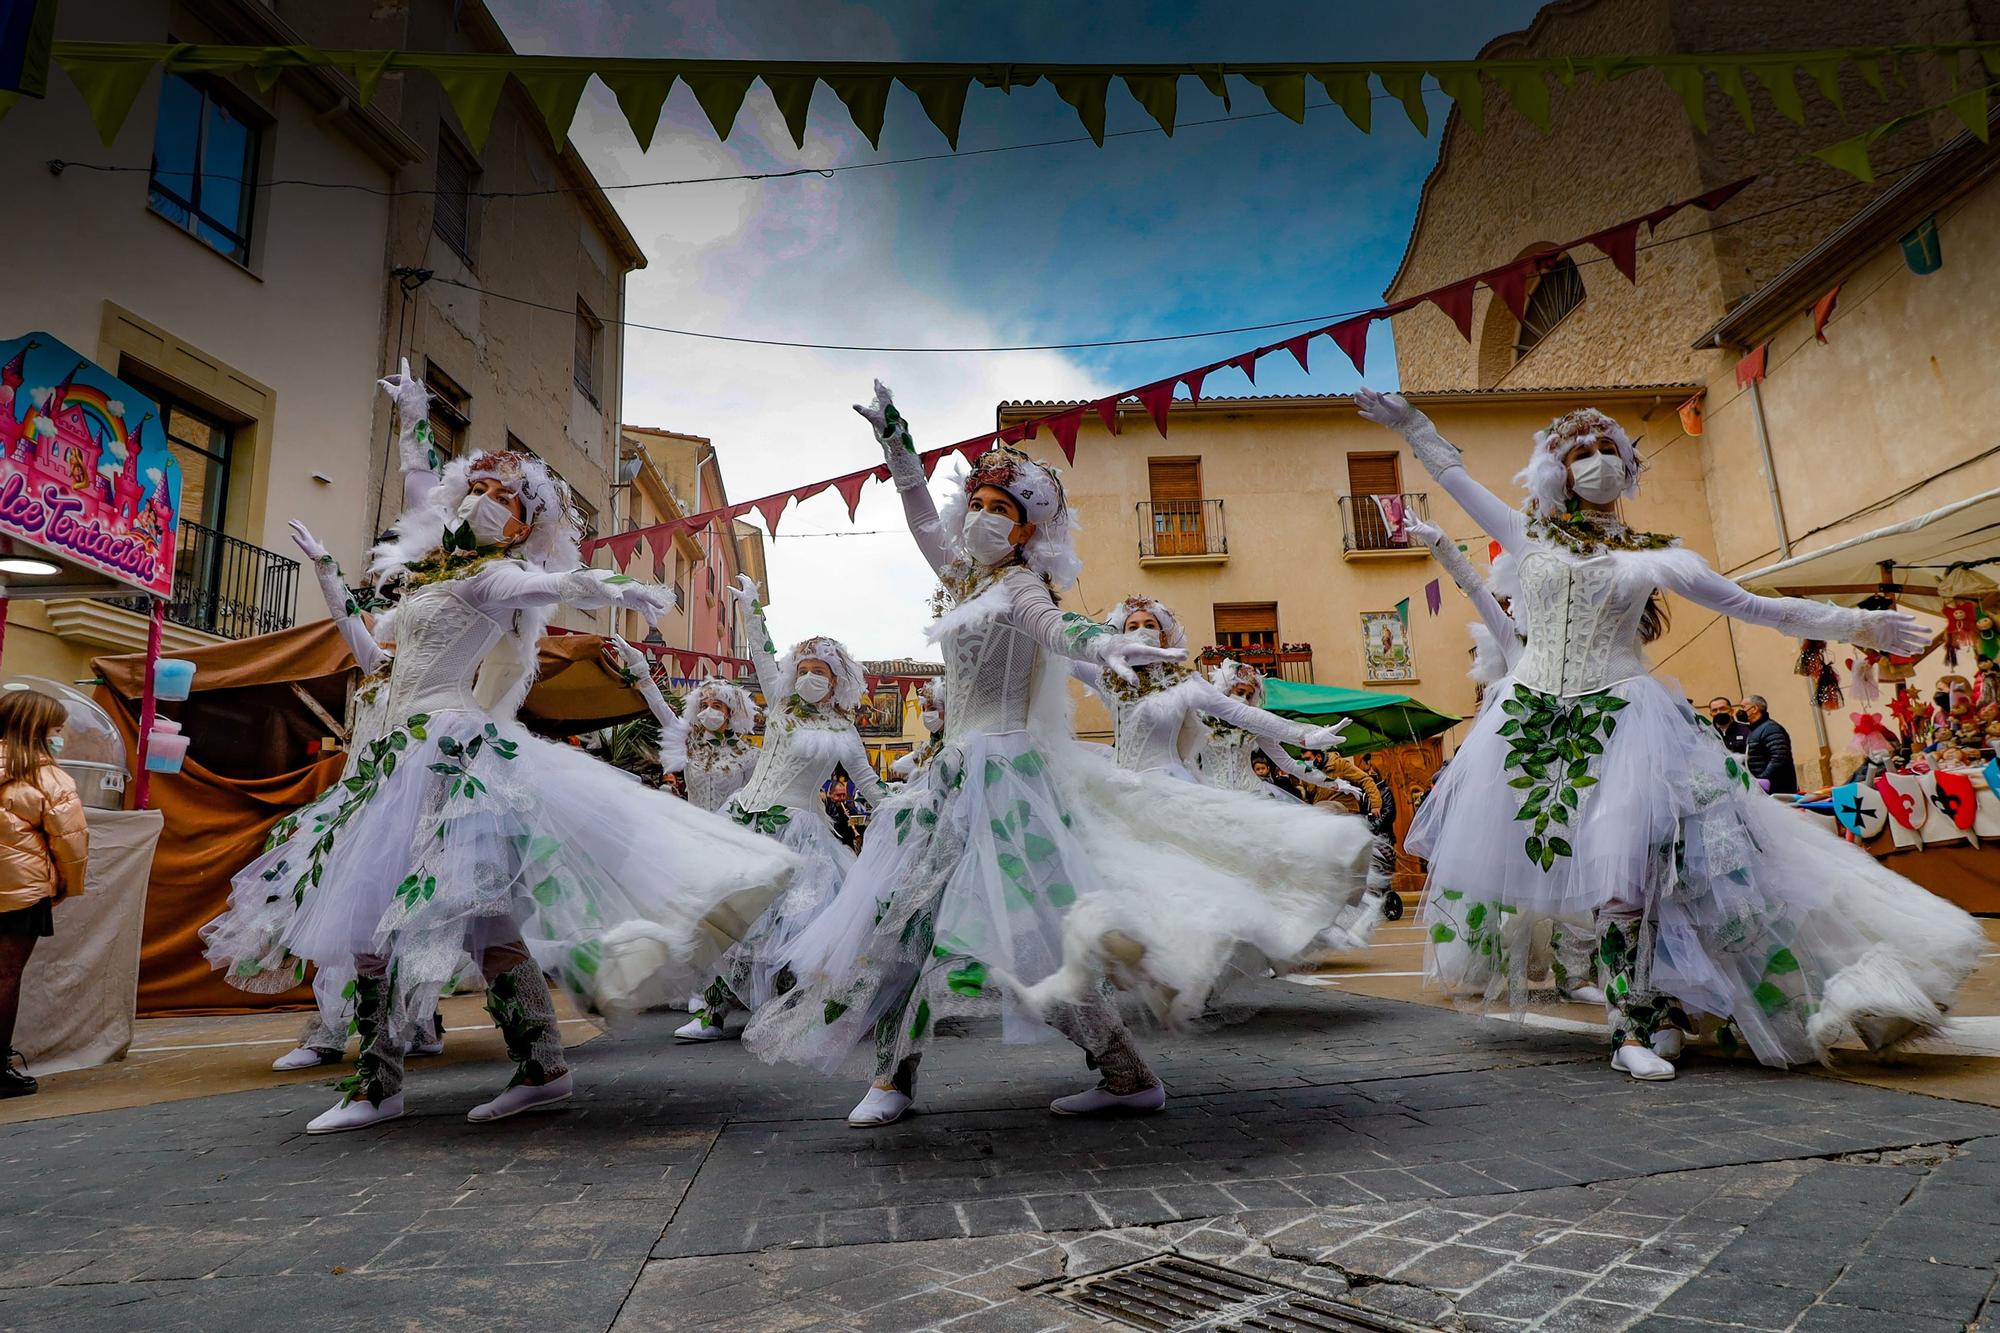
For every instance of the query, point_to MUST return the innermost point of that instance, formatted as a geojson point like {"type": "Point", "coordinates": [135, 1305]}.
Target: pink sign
{"type": "Point", "coordinates": [85, 473]}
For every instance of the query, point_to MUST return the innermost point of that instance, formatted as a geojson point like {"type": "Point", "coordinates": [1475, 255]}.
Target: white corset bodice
{"type": "Point", "coordinates": [1147, 731]}
{"type": "Point", "coordinates": [440, 641]}
{"type": "Point", "coordinates": [1225, 760]}
{"type": "Point", "coordinates": [989, 672]}
{"type": "Point", "coordinates": [1581, 618]}
{"type": "Point", "coordinates": [717, 771]}
{"type": "Point", "coordinates": [798, 756]}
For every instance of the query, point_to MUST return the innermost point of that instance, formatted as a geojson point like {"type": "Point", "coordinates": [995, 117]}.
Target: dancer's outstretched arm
{"type": "Point", "coordinates": [369, 655]}
{"type": "Point", "coordinates": [1265, 725]}
{"type": "Point", "coordinates": [1498, 623]}
{"type": "Point", "coordinates": [510, 585]}
{"type": "Point", "coordinates": [1895, 632]}
{"type": "Point", "coordinates": [1077, 636]}
{"type": "Point", "coordinates": [892, 432]}
{"type": "Point", "coordinates": [1442, 459]}
{"type": "Point", "coordinates": [417, 453]}
{"type": "Point", "coordinates": [763, 653]}
{"type": "Point", "coordinates": [1284, 763]}
{"type": "Point", "coordinates": [860, 772]}
{"type": "Point", "coordinates": [638, 673]}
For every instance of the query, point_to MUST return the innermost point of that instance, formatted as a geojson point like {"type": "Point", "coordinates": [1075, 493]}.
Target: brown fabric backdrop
{"type": "Point", "coordinates": [247, 768]}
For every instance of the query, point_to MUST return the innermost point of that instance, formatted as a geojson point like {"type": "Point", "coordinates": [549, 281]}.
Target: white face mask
{"type": "Point", "coordinates": [487, 517]}
{"type": "Point", "coordinates": [988, 537]}
{"type": "Point", "coordinates": [711, 718]}
{"type": "Point", "coordinates": [1149, 637]}
{"type": "Point", "coordinates": [1597, 478]}
{"type": "Point", "coordinates": [813, 688]}
{"type": "Point", "coordinates": [932, 719]}
{"type": "Point", "coordinates": [56, 743]}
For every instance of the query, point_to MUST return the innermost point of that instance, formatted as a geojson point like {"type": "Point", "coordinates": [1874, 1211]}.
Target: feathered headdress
{"type": "Point", "coordinates": [732, 698]}
{"type": "Point", "coordinates": [1171, 633]}
{"type": "Point", "coordinates": [1037, 488]}
{"type": "Point", "coordinates": [1546, 478]}
{"type": "Point", "coordinates": [1233, 673]}
{"type": "Point", "coordinates": [848, 680]}
{"type": "Point", "coordinates": [551, 542]}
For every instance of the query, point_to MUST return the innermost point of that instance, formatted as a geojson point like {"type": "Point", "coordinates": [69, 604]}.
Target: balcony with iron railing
{"type": "Point", "coordinates": [227, 587]}
{"type": "Point", "coordinates": [1366, 535]}
{"type": "Point", "coordinates": [1182, 532]}
{"type": "Point", "coordinates": [1288, 661]}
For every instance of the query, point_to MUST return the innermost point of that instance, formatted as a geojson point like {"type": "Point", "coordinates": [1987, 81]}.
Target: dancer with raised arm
{"type": "Point", "coordinates": [1589, 788]}
{"type": "Point", "coordinates": [1016, 869]}
{"type": "Point", "coordinates": [462, 834]}
{"type": "Point", "coordinates": [930, 697]}
{"type": "Point", "coordinates": [1228, 757]}
{"type": "Point", "coordinates": [810, 697]}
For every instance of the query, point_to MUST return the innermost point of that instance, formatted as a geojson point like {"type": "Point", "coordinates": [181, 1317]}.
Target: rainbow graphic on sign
{"type": "Point", "coordinates": [85, 472]}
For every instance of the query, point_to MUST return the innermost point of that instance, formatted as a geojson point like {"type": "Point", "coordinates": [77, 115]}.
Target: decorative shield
{"type": "Point", "coordinates": [1955, 797]}
{"type": "Point", "coordinates": [1903, 794]}
{"type": "Point", "coordinates": [1860, 810]}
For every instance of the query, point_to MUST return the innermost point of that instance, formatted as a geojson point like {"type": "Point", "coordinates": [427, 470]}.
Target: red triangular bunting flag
{"type": "Point", "coordinates": [1065, 428]}
{"type": "Point", "coordinates": [1751, 368]}
{"type": "Point", "coordinates": [1351, 337]}
{"type": "Point", "coordinates": [804, 493]}
{"type": "Point", "coordinates": [1107, 408]}
{"type": "Point", "coordinates": [1247, 363]}
{"type": "Point", "coordinates": [1297, 347]}
{"type": "Point", "coordinates": [660, 540]}
{"type": "Point", "coordinates": [1722, 194]}
{"type": "Point", "coordinates": [1510, 284]}
{"type": "Point", "coordinates": [1493, 551]}
{"type": "Point", "coordinates": [1620, 245]}
{"type": "Point", "coordinates": [1030, 428]}
{"type": "Point", "coordinates": [623, 547]}
{"type": "Point", "coordinates": [931, 458]}
{"type": "Point", "coordinates": [1456, 301]}
{"type": "Point", "coordinates": [770, 507]}
{"type": "Point", "coordinates": [972, 449]}
{"type": "Point", "coordinates": [1193, 380]}
{"type": "Point", "coordinates": [1013, 434]}
{"type": "Point", "coordinates": [1659, 215]}
{"type": "Point", "coordinates": [1690, 413]}
{"type": "Point", "coordinates": [1157, 398]}
{"type": "Point", "coordinates": [1822, 311]}
{"type": "Point", "coordinates": [850, 490]}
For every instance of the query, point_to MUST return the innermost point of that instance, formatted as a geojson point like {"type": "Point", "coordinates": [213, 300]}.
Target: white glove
{"type": "Point", "coordinates": [1342, 787]}
{"type": "Point", "coordinates": [1324, 738]}
{"type": "Point", "coordinates": [412, 399]}
{"type": "Point", "coordinates": [1897, 633]}
{"type": "Point", "coordinates": [303, 539]}
{"type": "Point", "coordinates": [744, 592]}
{"type": "Point", "coordinates": [1125, 652]}
{"type": "Point", "coordinates": [1427, 532]}
{"type": "Point", "coordinates": [628, 659]}
{"type": "Point", "coordinates": [649, 600]}
{"type": "Point", "coordinates": [892, 432]}
{"type": "Point", "coordinates": [1436, 453]}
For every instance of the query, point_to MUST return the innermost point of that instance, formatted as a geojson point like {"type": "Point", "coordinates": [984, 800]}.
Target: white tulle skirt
{"type": "Point", "coordinates": [457, 832]}
{"type": "Point", "coordinates": [1018, 876]}
{"type": "Point", "coordinates": [753, 963]}
{"type": "Point", "coordinates": [1625, 800]}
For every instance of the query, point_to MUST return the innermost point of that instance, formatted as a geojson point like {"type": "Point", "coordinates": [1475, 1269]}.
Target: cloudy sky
{"type": "Point", "coordinates": [1245, 222]}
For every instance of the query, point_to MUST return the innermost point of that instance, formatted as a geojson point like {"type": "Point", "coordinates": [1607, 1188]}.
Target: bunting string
{"type": "Point", "coordinates": [1618, 242]}
{"type": "Point", "coordinates": [110, 76]}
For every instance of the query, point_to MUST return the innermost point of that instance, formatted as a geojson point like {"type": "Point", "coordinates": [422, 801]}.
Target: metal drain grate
{"type": "Point", "coordinates": [1172, 1294]}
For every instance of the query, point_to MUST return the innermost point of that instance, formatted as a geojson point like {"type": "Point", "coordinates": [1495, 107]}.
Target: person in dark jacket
{"type": "Point", "coordinates": [1722, 714]}
{"type": "Point", "coordinates": [1767, 747]}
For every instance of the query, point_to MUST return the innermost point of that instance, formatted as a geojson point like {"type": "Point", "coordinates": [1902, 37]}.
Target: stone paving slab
{"type": "Point", "coordinates": [1483, 1174]}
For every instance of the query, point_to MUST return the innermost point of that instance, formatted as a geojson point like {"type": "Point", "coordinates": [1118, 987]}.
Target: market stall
{"type": "Point", "coordinates": [89, 507]}
{"type": "Point", "coordinates": [1923, 801]}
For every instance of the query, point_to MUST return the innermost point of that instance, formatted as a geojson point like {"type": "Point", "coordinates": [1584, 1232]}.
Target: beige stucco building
{"type": "Point", "coordinates": [1251, 521]}
{"type": "Point", "coordinates": [260, 317]}
{"type": "Point", "coordinates": [1892, 406]}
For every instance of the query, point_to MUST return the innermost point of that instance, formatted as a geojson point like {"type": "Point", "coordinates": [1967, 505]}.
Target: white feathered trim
{"type": "Point", "coordinates": [1489, 662]}
{"type": "Point", "coordinates": [1875, 998]}
{"type": "Point", "coordinates": [735, 701]}
{"type": "Point", "coordinates": [848, 680]}
{"type": "Point", "coordinates": [990, 602]}
{"type": "Point", "coordinates": [1546, 477]}
{"type": "Point", "coordinates": [1050, 552]}
{"type": "Point", "coordinates": [551, 542]}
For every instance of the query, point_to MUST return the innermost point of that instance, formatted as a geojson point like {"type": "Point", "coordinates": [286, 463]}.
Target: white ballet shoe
{"type": "Point", "coordinates": [1641, 1063]}
{"type": "Point", "coordinates": [305, 1057]}
{"type": "Point", "coordinates": [882, 1106]}
{"type": "Point", "coordinates": [1585, 995]}
{"type": "Point", "coordinates": [1100, 1101]}
{"type": "Point", "coordinates": [696, 1030]}
{"type": "Point", "coordinates": [694, 1004]}
{"type": "Point", "coordinates": [1668, 1043]}
{"type": "Point", "coordinates": [428, 1047]}
{"type": "Point", "coordinates": [357, 1114]}
{"type": "Point", "coordinates": [523, 1097]}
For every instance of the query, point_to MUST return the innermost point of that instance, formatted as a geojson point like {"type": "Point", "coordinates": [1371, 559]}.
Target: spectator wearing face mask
{"type": "Point", "coordinates": [1767, 747]}
{"type": "Point", "coordinates": [1732, 729]}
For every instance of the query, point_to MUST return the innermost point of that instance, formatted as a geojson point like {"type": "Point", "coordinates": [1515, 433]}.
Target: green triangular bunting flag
{"type": "Point", "coordinates": [475, 95]}
{"type": "Point", "coordinates": [866, 98]}
{"type": "Point", "coordinates": [556, 93]}
{"type": "Point", "coordinates": [1285, 92]}
{"type": "Point", "coordinates": [943, 100]}
{"type": "Point", "coordinates": [640, 96]}
{"type": "Point", "coordinates": [721, 97]}
{"type": "Point", "coordinates": [110, 85]}
{"type": "Point", "coordinates": [1086, 93]}
{"type": "Point", "coordinates": [1461, 85]}
{"type": "Point", "coordinates": [793, 94]}
{"type": "Point", "coordinates": [1158, 93]}
{"type": "Point", "coordinates": [1407, 87]}
{"type": "Point", "coordinates": [1349, 90]}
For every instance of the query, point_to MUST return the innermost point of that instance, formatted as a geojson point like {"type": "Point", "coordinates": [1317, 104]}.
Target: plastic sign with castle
{"type": "Point", "coordinates": [85, 474]}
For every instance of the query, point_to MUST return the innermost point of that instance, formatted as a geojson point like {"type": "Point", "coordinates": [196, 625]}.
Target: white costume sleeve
{"type": "Point", "coordinates": [763, 654]}
{"type": "Point", "coordinates": [368, 654]}
{"type": "Point", "coordinates": [1446, 464]}
{"type": "Point", "coordinates": [907, 471]}
{"type": "Point", "coordinates": [510, 585]}
{"type": "Point", "coordinates": [1498, 623]}
{"type": "Point", "coordinates": [1269, 726]}
{"type": "Point", "coordinates": [1065, 633]}
{"type": "Point", "coordinates": [1686, 573]}
{"type": "Point", "coordinates": [860, 772]}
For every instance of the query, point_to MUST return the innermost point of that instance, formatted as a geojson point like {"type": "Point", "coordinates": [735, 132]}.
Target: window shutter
{"type": "Point", "coordinates": [1374, 474]}
{"type": "Point", "coordinates": [1174, 480]}
{"type": "Point", "coordinates": [1247, 618]}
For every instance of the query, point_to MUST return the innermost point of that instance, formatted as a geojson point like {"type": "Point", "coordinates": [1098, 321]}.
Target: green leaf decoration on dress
{"type": "Point", "coordinates": [585, 957]}
{"type": "Point", "coordinates": [831, 1011]}
{"type": "Point", "coordinates": [1781, 962]}
{"type": "Point", "coordinates": [1029, 763]}
{"type": "Point", "coordinates": [1770, 995]}
{"type": "Point", "coordinates": [922, 1022]}
{"type": "Point", "coordinates": [1442, 934]}
{"type": "Point", "coordinates": [968, 980]}
{"type": "Point", "coordinates": [546, 892]}
{"type": "Point", "coordinates": [1061, 894]}
{"type": "Point", "coordinates": [1550, 756]}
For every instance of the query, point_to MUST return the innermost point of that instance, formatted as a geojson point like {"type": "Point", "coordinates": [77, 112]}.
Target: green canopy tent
{"type": "Point", "coordinates": [1375, 720]}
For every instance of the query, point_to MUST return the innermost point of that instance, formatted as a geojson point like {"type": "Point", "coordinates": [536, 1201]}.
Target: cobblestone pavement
{"type": "Point", "coordinates": [1404, 1159]}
